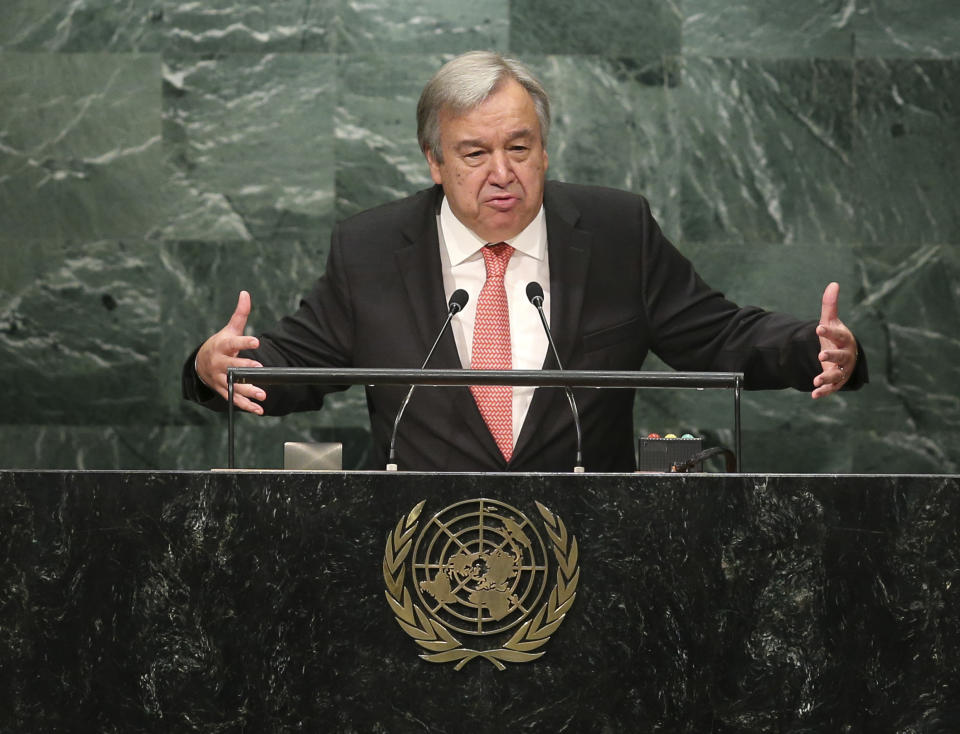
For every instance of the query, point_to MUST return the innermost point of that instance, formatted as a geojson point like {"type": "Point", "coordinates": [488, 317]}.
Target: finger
{"type": "Point", "coordinates": [832, 373]}
{"type": "Point", "coordinates": [250, 392]}
{"type": "Point", "coordinates": [840, 357]}
{"type": "Point", "coordinates": [214, 372]}
{"type": "Point", "coordinates": [231, 345]}
{"type": "Point", "coordinates": [826, 383]}
{"type": "Point", "coordinates": [823, 391]}
{"type": "Point", "coordinates": [839, 334]}
{"type": "Point", "coordinates": [241, 362]}
{"type": "Point", "coordinates": [247, 404]}
{"type": "Point", "coordinates": [244, 396]}
{"type": "Point", "coordinates": [828, 304]}
{"type": "Point", "coordinates": [222, 380]}
{"type": "Point", "coordinates": [238, 321]}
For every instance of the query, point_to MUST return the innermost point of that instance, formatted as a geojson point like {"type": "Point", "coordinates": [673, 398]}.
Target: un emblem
{"type": "Point", "coordinates": [480, 568]}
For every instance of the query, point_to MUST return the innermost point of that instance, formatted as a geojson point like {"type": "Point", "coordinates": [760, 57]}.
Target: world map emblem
{"type": "Point", "coordinates": [480, 568]}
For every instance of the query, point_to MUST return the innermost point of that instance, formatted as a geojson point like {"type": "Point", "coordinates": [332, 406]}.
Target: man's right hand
{"type": "Point", "coordinates": [220, 352]}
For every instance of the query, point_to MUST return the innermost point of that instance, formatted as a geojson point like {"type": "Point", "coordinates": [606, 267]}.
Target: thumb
{"type": "Point", "coordinates": [238, 321]}
{"type": "Point", "coordinates": [828, 305]}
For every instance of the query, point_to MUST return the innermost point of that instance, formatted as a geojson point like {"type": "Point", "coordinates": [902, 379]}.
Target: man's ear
{"type": "Point", "coordinates": [435, 172]}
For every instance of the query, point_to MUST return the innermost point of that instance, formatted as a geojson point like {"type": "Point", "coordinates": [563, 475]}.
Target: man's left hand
{"type": "Point", "coordinates": [838, 347]}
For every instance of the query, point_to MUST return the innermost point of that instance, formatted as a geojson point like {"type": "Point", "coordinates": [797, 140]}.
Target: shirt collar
{"type": "Point", "coordinates": [463, 244]}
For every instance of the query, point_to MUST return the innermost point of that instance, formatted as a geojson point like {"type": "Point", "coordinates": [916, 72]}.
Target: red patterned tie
{"type": "Point", "coordinates": [491, 348]}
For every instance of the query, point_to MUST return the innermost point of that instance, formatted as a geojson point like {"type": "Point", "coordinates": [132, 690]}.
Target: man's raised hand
{"type": "Point", "coordinates": [838, 347]}
{"type": "Point", "coordinates": [219, 352]}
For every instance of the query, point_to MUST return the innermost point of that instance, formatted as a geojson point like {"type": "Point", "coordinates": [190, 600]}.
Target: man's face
{"type": "Point", "coordinates": [494, 163]}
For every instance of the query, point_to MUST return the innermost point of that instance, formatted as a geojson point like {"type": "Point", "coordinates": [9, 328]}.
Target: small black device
{"type": "Point", "coordinates": [656, 454]}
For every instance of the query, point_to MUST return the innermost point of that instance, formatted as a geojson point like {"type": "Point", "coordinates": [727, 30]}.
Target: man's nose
{"type": "Point", "coordinates": [501, 168]}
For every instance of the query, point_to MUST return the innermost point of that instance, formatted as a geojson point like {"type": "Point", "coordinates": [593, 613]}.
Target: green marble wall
{"type": "Point", "coordinates": [156, 157]}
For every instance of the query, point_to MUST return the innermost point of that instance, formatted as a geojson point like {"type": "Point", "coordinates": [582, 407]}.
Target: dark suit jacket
{"type": "Point", "coordinates": [618, 290]}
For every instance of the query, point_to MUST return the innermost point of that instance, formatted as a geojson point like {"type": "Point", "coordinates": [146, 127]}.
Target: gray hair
{"type": "Point", "coordinates": [464, 83]}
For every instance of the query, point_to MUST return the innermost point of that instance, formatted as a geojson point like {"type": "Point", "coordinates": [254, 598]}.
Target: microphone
{"type": "Point", "coordinates": [457, 301]}
{"type": "Point", "coordinates": [535, 296]}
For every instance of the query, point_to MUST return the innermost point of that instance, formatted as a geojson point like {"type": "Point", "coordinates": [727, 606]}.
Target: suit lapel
{"type": "Point", "coordinates": [418, 263]}
{"type": "Point", "coordinates": [569, 250]}
{"type": "Point", "coordinates": [569, 262]}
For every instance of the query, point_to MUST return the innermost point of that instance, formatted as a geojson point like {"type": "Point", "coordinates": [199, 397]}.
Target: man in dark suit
{"type": "Point", "coordinates": [615, 289]}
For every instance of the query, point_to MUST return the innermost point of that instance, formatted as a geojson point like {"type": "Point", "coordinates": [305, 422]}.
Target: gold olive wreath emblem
{"type": "Point", "coordinates": [479, 568]}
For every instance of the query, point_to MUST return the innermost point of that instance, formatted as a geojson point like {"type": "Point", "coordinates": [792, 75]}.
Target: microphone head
{"type": "Point", "coordinates": [458, 300]}
{"type": "Point", "coordinates": [535, 293]}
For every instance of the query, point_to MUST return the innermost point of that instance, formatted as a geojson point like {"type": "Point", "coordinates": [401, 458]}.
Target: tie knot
{"type": "Point", "coordinates": [495, 258]}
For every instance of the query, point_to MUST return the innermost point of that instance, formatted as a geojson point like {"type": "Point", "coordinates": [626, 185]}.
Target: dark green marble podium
{"type": "Point", "coordinates": [255, 602]}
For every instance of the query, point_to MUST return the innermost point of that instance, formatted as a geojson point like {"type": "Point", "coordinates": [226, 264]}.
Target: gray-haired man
{"type": "Point", "coordinates": [614, 288]}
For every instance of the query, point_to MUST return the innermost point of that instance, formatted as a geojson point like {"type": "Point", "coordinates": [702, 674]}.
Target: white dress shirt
{"type": "Point", "coordinates": [463, 267]}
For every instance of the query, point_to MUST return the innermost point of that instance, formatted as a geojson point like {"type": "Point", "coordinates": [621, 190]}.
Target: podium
{"type": "Point", "coordinates": [257, 601]}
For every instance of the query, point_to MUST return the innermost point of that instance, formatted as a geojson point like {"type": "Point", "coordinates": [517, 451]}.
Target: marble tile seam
{"type": "Point", "coordinates": [343, 58]}
{"type": "Point", "coordinates": [681, 53]}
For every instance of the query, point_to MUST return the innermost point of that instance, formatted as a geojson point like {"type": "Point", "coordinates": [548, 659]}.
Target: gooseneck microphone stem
{"type": "Point", "coordinates": [457, 301]}
{"type": "Point", "coordinates": [535, 296]}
